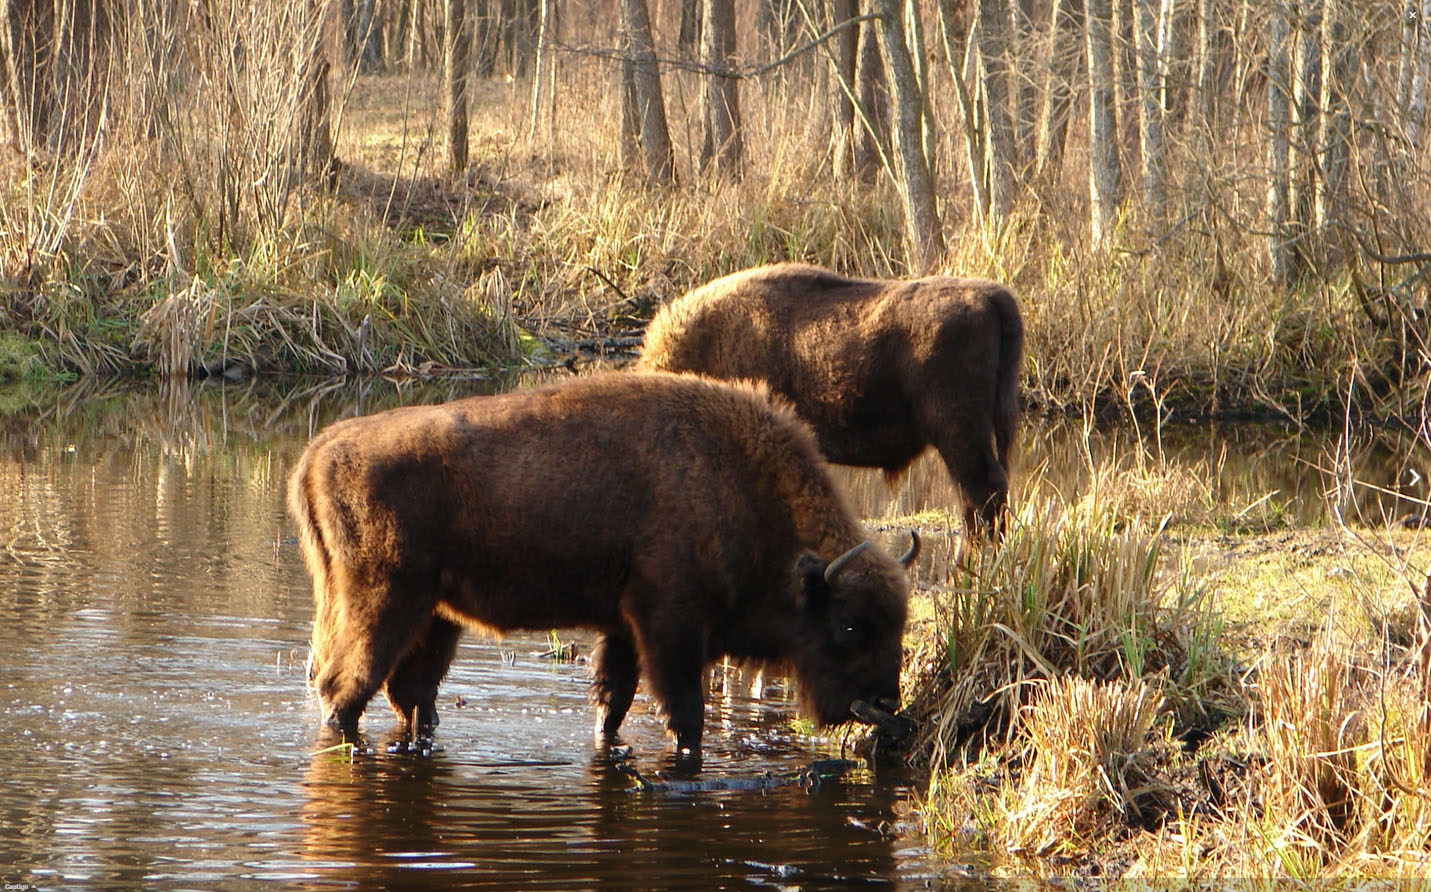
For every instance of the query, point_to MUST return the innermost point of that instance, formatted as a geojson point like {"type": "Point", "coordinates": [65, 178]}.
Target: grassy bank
{"type": "Point", "coordinates": [1123, 688]}
{"type": "Point", "coordinates": [139, 258]}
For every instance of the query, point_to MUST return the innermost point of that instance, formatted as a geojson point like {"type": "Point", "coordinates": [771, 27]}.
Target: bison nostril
{"type": "Point", "coordinates": [888, 704]}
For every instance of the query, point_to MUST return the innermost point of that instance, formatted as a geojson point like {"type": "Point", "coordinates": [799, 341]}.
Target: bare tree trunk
{"type": "Point", "coordinates": [1125, 83]}
{"type": "Point", "coordinates": [1019, 59]}
{"type": "Point", "coordinates": [316, 135]}
{"type": "Point", "coordinates": [485, 35]}
{"type": "Point", "coordinates": [454, 81]}
{"type": "Point", "coordinates": [1416, 65]}
{"type": "Point", "coordinates": [872, 142]}
{"type": "Point", "coordinates": [999, 151]}
{"type": "Point", "coordinates": [1334, 127]}
{"type": "Point", "coordinates": [688, 32]}
{"type": "Point", "coordinates": [1064, 65]}
{"type": "Point", "coordinates": [914, 30]}
{"type": "Point", "coordinates": [650, 102]}
{"type": "Point", "coordinates": [723, 149]}
{"type": "Point", "coordinates": [630, 138]}
{"type": "Point", "coordinates": [964, 75]}
{"type": "Point", "coordinates": [1207, 64]}
{"type": "Point", "coordinates": [845, 47]}
{"type": "Point", "coordinates": [544, 83]}
{"type": "Point", "coordinates": [1150, 110]}
{"type": "Point", "coordinates": [1279, 113]}
{"type": "Point", "coordinates": [923, 233]}
{"type": "Point", "coordinates": [1104, 171]}
{"type": "Point", "coordinates": [1302, 162]}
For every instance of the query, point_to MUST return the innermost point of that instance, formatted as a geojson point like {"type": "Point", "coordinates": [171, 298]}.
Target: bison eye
{"type": "Point", "coordinates": [845, 633]}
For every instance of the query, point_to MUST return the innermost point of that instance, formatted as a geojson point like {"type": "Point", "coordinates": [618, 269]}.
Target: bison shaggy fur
{"type": "Point", "coordinates": [682, 519]}
{"type": "Point", "coordinates": [880, 369]}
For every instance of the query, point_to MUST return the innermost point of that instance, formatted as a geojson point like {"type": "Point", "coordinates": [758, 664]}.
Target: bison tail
{"type": "Point", "coordinates": [1011, 357]}
{"type": "Point", "coordinates": [316, 557]}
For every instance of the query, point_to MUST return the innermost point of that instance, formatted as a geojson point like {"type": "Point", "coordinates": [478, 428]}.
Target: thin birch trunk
{"type": "Point", "coordinates": [650, 103]}
{"type": "Point", "coordinates": [723, 149]}
{"type": "Point", "coordinates": [544, 82]}
{"type": "Point", "coordinates": [1279, 114]}
{"type": "Point", "coordinates": [1104, 170]}
{"type": "Point", "coordinates": [923, 233]}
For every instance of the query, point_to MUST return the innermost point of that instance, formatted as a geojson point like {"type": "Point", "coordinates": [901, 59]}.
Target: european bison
{"type": "Point", "coordinates": [880, 369]}
{"type": "Point", "coordinates": [683, 519]}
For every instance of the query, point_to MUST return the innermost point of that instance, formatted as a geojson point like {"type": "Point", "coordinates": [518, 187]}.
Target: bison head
{"type": "Point", "coordinates": [851, 631]}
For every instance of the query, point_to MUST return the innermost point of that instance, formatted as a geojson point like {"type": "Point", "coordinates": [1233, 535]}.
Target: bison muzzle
{"type": "Point", "coordinates": [680, 518]}
{"type": "Point", "coordinates": [880, 369]}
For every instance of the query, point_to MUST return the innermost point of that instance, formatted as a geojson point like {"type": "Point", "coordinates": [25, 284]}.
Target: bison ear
{"type": "Point", "coordinates": [815, 592]}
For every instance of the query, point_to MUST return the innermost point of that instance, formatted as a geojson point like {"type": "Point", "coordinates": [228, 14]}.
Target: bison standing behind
{"type": "Point", "coordinates": [682, 519]}
{"type": "Point", "coordinates": [880, 369]}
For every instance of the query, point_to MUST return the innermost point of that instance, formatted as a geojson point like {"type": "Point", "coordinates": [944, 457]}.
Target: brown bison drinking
{"type": "Point", "coordinates": [881, 370]}
{"type": "Point", "coordinates": [682, 519]}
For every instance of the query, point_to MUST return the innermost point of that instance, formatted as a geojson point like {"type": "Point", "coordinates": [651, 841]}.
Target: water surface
{"type": "Point", "coordinates": [156, 731]}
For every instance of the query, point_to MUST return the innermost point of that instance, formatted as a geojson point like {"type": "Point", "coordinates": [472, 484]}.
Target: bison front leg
{"type": "Point", "coordinates": [615, 670]}
{"type": "Point", "coordinates": [411, 689]}
{"type": "Point", "coordinates": [676, 668]}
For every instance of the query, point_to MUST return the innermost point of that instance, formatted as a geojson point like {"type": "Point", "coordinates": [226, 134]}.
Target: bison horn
{"type": "Point", "coordinates": [913, 552]}
{"type": "Point", "coordinates": [838, 564]}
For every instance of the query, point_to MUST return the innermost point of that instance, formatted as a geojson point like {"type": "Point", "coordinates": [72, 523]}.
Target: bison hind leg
{"type": "Point", "coordinates": [615, 671]}
{"type": "Point", "coordinates": [411, 689]}
{"type": "Point", "coordinates": [982, 480]}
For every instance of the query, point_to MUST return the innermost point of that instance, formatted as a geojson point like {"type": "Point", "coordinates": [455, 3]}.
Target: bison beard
{"type": "Point", "coordinates": [682, 519]}
{"type": "Point", "coordinates": [881, 370]}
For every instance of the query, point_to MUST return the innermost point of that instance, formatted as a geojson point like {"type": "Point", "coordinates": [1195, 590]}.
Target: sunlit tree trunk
{"type": "Point", "coordinates": [688, 32]}
{"type": "Point", "coordinates": [914, 31]}
{"type": "Point", "coordinates": [544, 83]}
{"type": "Point", "coordinates": [650, 103]}
{"type": "Point", "coordinates": [921, 219]}
{"type": "Point", "coordinates": [1334, 132]}
{"type": "Point", "coordinates": [1150, 109]}
{"type": "Point", "coordinates": [454, 81]}
{"type": "Point", "coordinates": [872, 136]}
{"type": "Point", "coordinates": [723, 146]}
{"type": "Point", "coordinates": [315, 137]}
{"type": "Point", "coordinates": [999, 152]}
{"type": "Point", "coordinates": [1063, 66]}
{"type": "Point", "coordinates": [1020, 58]}
{"type": "Point", "coordinates": [1302, 161]}
{"type": "Point", "coordinates": [630, 124]}
{"type": "Point", "coordinates": [1207, 64]}
{"type": "Point", "coordinates": [1279, 114]}
{"type": "Point", "coordinates": [1416, 70]}
{"type": "Point", "coordinates": [844, 47]}
{"type": "Point", "coordinates": [1104, 171]}
{"type": "Point", "coordinates": [962, 69]}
